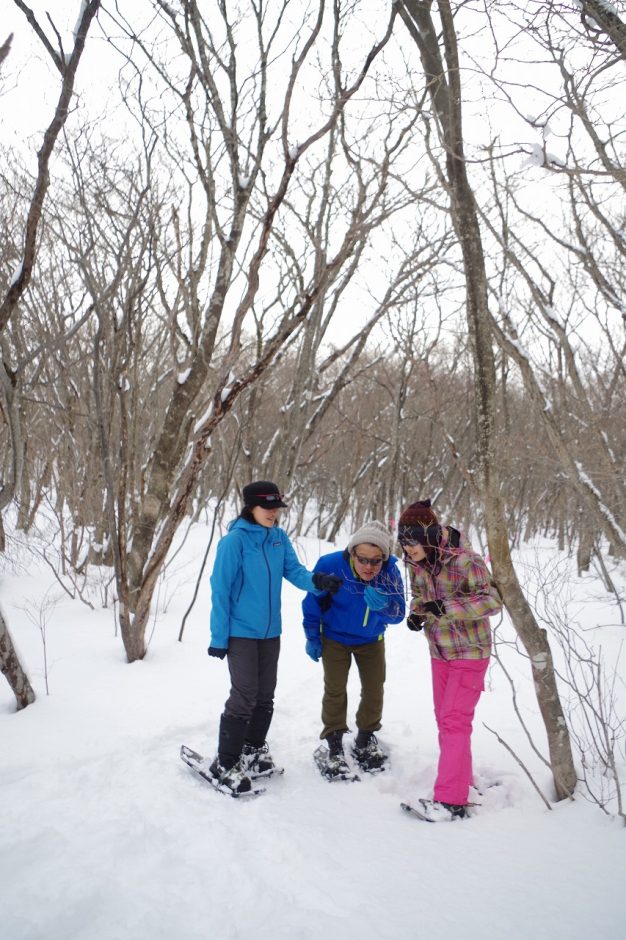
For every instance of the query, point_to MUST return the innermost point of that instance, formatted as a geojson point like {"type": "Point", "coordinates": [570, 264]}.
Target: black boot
{"type": "Point", "coordinates": [335, 744]}
{"type": "Point", "coordinates": [337, 765]}
{"type": "Point", "coordinates": [230, 778]}
{"type": "Point", "coordinates": [368, 753]}
{"type": "Point", "coordinates": [259, 725]}
{"type": "Point", "coordinates": [231, 738]}
{"type": "Point", "coordinates": [226, 768]}
{"type": "Point", "coordinates": [256, 759]}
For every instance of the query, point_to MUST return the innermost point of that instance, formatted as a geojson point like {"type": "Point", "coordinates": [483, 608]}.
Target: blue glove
{"type": "Point", "coordinates": [374, 599]}
{"type": "Point", "coordinates": [314, 649]}
{"type": "Point", "coordinates": [216, 651]}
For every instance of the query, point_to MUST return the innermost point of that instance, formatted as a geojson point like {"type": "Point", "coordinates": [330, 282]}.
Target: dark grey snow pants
{"type": "Point", "coordinates": [253, 666]}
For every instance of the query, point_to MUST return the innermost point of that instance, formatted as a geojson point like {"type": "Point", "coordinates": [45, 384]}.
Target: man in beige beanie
{"type": "Point", "coordinates": [351, 624]}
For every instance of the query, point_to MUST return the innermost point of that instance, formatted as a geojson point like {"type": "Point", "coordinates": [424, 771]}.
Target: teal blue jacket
{"type": "Point", "coordinates": [246, 582]}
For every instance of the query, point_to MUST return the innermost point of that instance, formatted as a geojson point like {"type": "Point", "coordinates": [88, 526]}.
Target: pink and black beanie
{"type": "Point", "coordinates": [418, 523]}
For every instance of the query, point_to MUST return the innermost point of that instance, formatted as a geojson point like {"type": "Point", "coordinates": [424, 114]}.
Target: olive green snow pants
{"type": "Point", "coordinates": [370, 661]}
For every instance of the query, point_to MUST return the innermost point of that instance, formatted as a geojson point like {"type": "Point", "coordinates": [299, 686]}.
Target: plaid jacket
{"type": "Point", "coordinates": [469, 596]}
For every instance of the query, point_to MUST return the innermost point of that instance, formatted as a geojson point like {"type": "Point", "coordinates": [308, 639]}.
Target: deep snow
{"type": "Point", "coordinates": [106, 835]}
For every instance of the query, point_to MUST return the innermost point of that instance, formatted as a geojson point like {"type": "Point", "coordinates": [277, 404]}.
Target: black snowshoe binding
{"type": "Point", "coordinates": [434, 811]}
{"type": "Point", "coordinates": [258, 762]}
{"type": "Point", "coordinates": [368, 753]}
{"type": "Point", "coordinates": [233, 782]}
{"type": "Point", "coordinates": [232, 778]}
{"type": "Point", "coordinates": [331, 761]}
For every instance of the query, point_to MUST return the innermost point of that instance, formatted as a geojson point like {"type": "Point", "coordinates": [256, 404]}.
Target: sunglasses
{"type": "Point", "coordinates": [369, 562]}
{"type": "Point", "coordinates": [270, 497]}
{"type": "Point", "coordinates": [409, 543]}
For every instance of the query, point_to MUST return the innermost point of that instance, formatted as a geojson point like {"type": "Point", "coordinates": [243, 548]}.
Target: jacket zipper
{"type": "Point", "coordinates": [269, 584]}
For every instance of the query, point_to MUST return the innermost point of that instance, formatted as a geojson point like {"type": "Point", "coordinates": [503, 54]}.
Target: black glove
{"type": "Point", "coordinates": [435, 608]}
{"type": "Point", "coordinates": [327, 582]}
{"type": "Point", "coordinates": [216, 651]}
{"type": "Point", "coordinates": [415, 622]}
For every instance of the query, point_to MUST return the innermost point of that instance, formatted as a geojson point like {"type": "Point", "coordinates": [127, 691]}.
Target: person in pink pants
{"type": "Point", "coordinates": [452, 598]}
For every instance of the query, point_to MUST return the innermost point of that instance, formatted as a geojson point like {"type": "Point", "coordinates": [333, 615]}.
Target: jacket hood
{"type": "Point", "coordinates": [252, 528]}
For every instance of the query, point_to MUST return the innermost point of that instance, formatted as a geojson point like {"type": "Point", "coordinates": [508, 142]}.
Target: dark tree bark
{"type": "Point", "coordinates": [12, 669]}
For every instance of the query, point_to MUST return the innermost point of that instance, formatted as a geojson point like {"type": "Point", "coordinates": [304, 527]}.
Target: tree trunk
{"type": "Point", "coordinates": [12, 669]}
{"type": "Point", "coordinates": [444, 86]}
{"type": "Point", "coordinates": [584, 550]}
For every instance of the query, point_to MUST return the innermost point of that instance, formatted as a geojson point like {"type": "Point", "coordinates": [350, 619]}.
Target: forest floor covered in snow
{"type": "Point", "coordinates": [107, 835]}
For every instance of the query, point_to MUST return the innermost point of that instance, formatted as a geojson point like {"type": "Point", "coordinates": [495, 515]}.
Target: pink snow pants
{"type": "Point", "coordinates": [457, 684]}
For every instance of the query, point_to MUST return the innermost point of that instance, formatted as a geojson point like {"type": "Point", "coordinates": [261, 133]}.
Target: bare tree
{"type": "Point", "coordinates": [559, 265]}
{"type": "Point", "coordinates": [67, 66]}
{"type": "Point", "coordinates": [174, 339]}
{"type": "Point", "coordinates": [241, 162]}
{"type": "Point", "coordinates": [438, 49]}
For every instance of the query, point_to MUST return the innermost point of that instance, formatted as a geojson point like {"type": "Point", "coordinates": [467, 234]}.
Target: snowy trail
{"type": "Point", "coordinates": [133, 845]}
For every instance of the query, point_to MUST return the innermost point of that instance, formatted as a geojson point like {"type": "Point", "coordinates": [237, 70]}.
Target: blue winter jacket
{"type": "Point", "coordinates": [246, 581]}
{"type": "Point", "coordinates": [345, 617]}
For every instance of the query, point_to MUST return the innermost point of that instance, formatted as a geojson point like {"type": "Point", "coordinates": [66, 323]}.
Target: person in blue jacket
{"type": "Point", "coordinates": [251, 561]}
{"type": "Point", "coordinates": [350, 624]}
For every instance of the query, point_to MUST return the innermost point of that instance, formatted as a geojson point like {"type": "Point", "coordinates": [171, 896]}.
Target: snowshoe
{"type": "Point", "coordinates": [435, 811]}
{"type": "Point", "coordinates": [333, 766]}
{"type": "Point", "coordinates": [258, 762]}
{"type": "Point", "coordinates": [233, 781]}
{"type": "Point", "coordinates": [368, 753]}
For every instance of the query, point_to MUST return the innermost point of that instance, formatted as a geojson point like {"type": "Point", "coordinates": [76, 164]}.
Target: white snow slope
{"type": "Point", "coordinates": [106, 835]}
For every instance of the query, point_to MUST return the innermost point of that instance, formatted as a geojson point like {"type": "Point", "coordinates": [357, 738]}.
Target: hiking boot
{"type": "Point", "coordinates": [336, 764]}
{"type": "Point", "coordinates": [335, 744]}
{"type": "Point", "coordinates": [435, 811]}
{"type": "Point", "coordinates": [231, 778]}
{"type": "Point", "coordinates": [257, 761]}
{"type": "Point", "coordinates": [367, 752]}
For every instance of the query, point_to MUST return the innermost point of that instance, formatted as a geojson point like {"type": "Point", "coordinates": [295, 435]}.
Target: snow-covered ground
{"type": "Point", "coordinates": [106, 835]}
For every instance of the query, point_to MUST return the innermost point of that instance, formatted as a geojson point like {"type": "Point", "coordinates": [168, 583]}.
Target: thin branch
{"type": "Point", "coordinates": [522, 765]}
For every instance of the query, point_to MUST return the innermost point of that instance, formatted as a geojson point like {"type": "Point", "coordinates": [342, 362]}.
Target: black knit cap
{"type": "Point", "coordinates": [418, 523]}
{"type": "Point", "coordinates": [264, 494]}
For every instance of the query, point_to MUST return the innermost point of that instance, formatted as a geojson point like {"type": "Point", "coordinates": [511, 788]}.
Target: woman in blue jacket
{"type": "Point", "coordinates": [351, 624]}
{"type": "Point", "coordinates": [251, 561]}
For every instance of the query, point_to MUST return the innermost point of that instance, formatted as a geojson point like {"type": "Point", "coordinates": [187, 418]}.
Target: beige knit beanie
{"type": "Point", "coordinates": [373, 533]}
